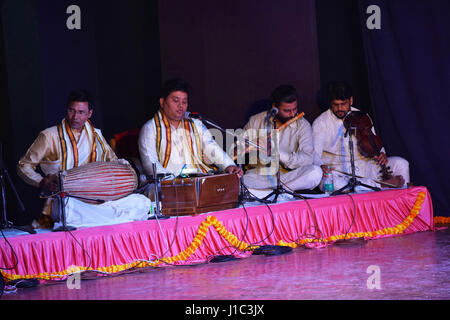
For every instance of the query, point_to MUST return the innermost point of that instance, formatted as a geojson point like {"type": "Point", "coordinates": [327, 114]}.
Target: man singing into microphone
{"type": "Point", "coordinates": [178, 144]}
{"type": "Point", "coordinates": [295, 147]}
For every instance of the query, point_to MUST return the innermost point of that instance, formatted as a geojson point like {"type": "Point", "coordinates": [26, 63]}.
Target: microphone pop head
{"type": "Point", "coordinates": [192, 115]}
{"type": "Point", "coordinates": [273, 111]}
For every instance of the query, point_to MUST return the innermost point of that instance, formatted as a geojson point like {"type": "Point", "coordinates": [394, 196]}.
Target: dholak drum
{"type": "Point", "coordinates": [102, 181]}
{"type": "Point", "coordinates": [190, 196]}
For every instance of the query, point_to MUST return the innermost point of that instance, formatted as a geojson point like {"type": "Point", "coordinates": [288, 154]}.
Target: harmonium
{"type": "Point", "coordinates": [199, 194]}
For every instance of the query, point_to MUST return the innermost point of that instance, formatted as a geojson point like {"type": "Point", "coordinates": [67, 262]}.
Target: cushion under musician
{"type": "Point", "coordinates": [73, 143]}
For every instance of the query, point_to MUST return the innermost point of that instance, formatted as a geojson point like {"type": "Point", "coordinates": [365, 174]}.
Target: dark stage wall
{"type": "Point", "coordinates": [409, 71]}
{"type": "Point", "coordinates": [236, 52]}
{"type": "Point", "coordinates": [115, 55]}
{"type": "Point", "coordinates": [341, 50]}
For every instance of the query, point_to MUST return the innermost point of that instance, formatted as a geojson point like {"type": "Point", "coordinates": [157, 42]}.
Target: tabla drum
{"type": "Point", "coordinates": [103, 181]}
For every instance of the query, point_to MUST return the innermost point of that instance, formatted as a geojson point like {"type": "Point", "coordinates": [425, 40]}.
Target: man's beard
{"type": "Point", "coordinates": [340, 114]}
{"type": "Point", "coordinates": [284, 120]}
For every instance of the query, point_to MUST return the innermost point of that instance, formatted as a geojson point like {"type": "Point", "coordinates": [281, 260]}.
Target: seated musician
{"type": "Point", "coordinates": [295, 147]}
{"type": "Point", "coordinates": [178, 145]}
{"type": "Point", "coordinates": [82, 144]}
{"type": "Point", "coordinates": [332, 149]}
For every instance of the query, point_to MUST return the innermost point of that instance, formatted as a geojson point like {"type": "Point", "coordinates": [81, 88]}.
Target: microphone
{"type": "Point", "coordinates": [192, 115]}
{"type": "Point", "coordinates": [273, 111]}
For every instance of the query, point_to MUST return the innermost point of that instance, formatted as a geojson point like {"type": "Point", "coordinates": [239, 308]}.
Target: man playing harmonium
{"type": "Point", "coordinates": [178, 145]}
{"type": "Point", "coordinates": [294, 156]}
{"type": "Point", "coordinates": [74, 143]}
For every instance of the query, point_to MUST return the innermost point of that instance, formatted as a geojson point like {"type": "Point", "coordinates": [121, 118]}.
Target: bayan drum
{"type": "Point", "coordinates": [104, 181]}
{"type": "Point", "coordinates": [190, 196]}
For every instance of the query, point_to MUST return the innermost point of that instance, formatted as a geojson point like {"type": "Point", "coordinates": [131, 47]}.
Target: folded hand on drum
{"type": "Point", "coordinates": [124, 162]}
{"type": "Point", "coordinates": [49, 183]}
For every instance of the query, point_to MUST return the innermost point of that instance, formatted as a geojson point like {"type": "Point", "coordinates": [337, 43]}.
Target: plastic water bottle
{"type": "Point", "coordinates": [328, 183]}
{"type": "Point", "coordinates": [152, 209]}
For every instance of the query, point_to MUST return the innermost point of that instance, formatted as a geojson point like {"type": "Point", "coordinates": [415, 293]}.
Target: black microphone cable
{"type": "Point", "coordinates": [14, 253]}
{"type": "Point", "coordinates": [76, 240]}
{"type": "Point", "coordinates": [315, 226]}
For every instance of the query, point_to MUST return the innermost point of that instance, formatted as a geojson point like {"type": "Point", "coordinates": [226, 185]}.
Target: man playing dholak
{"type": "Point", "coordinates": [72, 143]}
{"type": "Point", "coordinates": [332, 149]}
{"type": "Point", "coordinates": [294, 156]}
{"type": "Point", "coordinates": [177, 145]}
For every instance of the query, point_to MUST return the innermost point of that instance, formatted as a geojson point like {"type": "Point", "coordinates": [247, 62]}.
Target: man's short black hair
{"type": "Point", "coordinates": [175, 84]}
{"type": "Point", "coordinates": [339, 90]}
{"type": "Point", "coordinates": [80, 95]}
{"type": "Point", "coordinates": [284, 93]}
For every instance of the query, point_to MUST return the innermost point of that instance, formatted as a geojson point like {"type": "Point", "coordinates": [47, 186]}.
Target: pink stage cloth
{"type": "Point", "coordinates": [114, 248]}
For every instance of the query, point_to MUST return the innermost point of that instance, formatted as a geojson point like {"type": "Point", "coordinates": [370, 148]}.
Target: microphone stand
{"type": "Point", "coordinates": [62, 207]}
{"type": "Point", "coordinates": [279, 188]}
{"type": "Point", "coordinates": [4, 223]}
{"type": "Point", "coordinates": [353, 182]}
{"type": "Point", "coordinates": [244, 194]}
{"type": "Point", "coordinates": [157, 214]}
{"type": "Point", "coordinates": [227, 132]}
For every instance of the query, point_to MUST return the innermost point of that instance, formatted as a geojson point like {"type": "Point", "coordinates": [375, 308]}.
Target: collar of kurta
{"type": "Point", "coordinates": [87, 148]}
{"type": "Point", "coordinates": [191, 135]}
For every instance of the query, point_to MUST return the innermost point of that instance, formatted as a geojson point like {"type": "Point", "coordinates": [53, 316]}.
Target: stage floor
{"type": "Point", "coordinates": [414, 266]}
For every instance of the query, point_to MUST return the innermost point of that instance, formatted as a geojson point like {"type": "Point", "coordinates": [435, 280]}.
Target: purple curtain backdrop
{"type": "Point", "coordinates": [409, 72]}
{"type": "Point", "coordinates": [235, 53]}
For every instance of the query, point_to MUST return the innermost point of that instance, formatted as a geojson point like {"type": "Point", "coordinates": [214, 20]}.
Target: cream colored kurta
{"type": "Point", "coordinates": [295, 147]}
{"type": "Point", "coordinates": [181, 159]}
{"type": "Point", "coordinates": [331, 147]}
{"type": "Point", "coordinates": [45, 152]}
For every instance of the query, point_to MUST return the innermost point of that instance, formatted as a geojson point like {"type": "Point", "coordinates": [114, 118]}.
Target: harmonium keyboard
{"type": "Point", "coordinates": [195, 195]}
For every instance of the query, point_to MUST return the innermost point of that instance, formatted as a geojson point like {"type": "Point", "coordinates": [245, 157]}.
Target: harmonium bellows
{"type": "Point", "coordinates": [190, 196]}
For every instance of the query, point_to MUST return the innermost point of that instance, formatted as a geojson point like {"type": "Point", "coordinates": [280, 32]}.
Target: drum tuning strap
{"type": "Point", "coordinates": [83, 198]}
{"type": "Point", "coordinates": [45, 195]}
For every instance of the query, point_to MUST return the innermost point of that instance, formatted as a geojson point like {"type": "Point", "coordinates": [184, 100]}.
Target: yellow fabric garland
{"type": "Point", "coordinates": [400, 228]}
{"type": "Point", "coordinates": [441, 220]}
{"type": "Point", "coordinates": [230, 238]}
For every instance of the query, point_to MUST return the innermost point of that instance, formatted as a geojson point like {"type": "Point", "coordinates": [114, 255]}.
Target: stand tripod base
{"type": "Point", "coordinates": [4, 223]}
{"type": "Point", "coordinates": [277, 192]}
{"type": "Point", "coordinates": [245, 196]}
{"type": "Point", "coordinates": [351, 187]}
{"type": "Point", "coordinates": [64, 228]}
{"type": "Point", "coordinates": [249, 198]}
{"type": "Point", "coordinates": [158, 216]}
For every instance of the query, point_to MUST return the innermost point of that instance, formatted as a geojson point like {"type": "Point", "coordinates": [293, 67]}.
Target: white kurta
{"type": "Point", "coordinates": [331, 147]}
{"type": "Point", "coordinates": [295, 147]}
{"type": "Point", "coordinates": [45, 152]}
{"type": "Point", "coordinates": [181, 160]}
